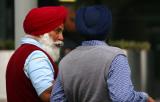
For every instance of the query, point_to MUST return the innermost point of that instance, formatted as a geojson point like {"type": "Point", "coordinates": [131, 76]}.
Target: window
{"type": "Point", "coordinates": [7, 24]}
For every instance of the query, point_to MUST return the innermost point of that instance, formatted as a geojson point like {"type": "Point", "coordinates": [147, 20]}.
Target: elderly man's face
{"type": "Point", "coordinates": [57, 34]}
{"type": "Point", "coordinates": [52, 41]}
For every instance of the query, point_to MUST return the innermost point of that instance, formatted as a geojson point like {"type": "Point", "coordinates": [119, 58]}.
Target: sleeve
{"type": "Point", "coordinates": [119, 82]}
{"type": "Point", "coordinates": [39, 70]}
{"type": "Point", "coordinates": [57, 94]}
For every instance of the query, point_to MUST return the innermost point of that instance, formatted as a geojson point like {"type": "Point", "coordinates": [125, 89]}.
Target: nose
{"type": "Point", "coordinates": [60, 37]}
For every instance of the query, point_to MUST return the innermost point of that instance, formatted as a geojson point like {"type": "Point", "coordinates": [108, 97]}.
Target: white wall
{"type": "Point", "coordinates": [21, 9]}
{"type": "Point", "coordinates": [4, 57]}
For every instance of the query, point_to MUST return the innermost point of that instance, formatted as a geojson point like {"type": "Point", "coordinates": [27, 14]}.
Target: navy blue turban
{"type": "Point", "coordinates": [93, 20]}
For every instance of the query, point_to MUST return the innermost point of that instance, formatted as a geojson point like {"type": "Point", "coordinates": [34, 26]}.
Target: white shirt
{"type": "Point", "coordinates": [38, 67]}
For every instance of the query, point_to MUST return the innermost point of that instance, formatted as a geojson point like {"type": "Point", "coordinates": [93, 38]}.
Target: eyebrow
{"type": "Point", "coordinates": [59, 29]}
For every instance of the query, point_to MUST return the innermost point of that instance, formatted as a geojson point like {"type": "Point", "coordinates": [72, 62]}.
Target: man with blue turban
{"type": "Point", "coordinates": [95, 71]}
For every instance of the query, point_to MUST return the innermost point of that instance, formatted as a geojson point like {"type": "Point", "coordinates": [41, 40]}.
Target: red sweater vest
{"type": "Point", "coordinates": [19, 87]}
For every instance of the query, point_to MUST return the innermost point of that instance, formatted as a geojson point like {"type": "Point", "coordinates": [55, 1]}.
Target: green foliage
{"type": "Point", "coordinates": [124, 44]}
{"type": "Point", "coordinates": [134, 45]}
{"type": "Point", "coordinates": [6, 44]}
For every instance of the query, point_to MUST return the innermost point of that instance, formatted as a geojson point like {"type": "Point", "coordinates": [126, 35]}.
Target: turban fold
{"type": "Point", "coordinates": [93, 20]}
{"type": "Point", "coordinates": [44, 19]}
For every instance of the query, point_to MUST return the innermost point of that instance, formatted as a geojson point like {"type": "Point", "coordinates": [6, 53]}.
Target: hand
{"type": "Point", "coordinates": [150, 99]}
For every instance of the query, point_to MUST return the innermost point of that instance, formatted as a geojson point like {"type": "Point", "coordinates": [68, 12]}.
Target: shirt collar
{"type": "Point", "coordinates": [30, 40]}
{"type": "Point", "coordinates": [93, 43]}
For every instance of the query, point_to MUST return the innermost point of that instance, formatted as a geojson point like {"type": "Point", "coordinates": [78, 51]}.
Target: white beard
{"type": "Point", "coordinates": [49, 45]}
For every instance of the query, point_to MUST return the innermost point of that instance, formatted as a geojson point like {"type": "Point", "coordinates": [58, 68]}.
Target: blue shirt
{"type": "Point", "coordinates": [118, 80]}
{"type": "Point", "coordinates": [38, 67]}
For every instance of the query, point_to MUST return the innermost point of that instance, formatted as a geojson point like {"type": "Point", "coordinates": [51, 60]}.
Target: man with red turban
{"type": "Point", "coordinates": [31, 70]}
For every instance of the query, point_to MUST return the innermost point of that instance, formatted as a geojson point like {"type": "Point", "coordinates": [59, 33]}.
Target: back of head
{"type": "Point", "coordinates": [94, 22]}
{"type": "Point", "coordinates": [44, 19]}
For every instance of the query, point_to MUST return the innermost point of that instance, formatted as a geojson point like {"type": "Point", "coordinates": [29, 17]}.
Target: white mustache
{"type": "Point", "coordinates": [59, 43]}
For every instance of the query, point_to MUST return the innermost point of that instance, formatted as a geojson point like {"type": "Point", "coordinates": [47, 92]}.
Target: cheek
{"type": "Point", "coordinates": [53, 36]}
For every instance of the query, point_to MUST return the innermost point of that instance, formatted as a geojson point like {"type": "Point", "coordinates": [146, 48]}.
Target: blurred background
{"type": "Point", "coordinates": [136, 29]}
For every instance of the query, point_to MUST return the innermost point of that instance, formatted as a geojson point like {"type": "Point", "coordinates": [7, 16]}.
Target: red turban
{"type": "Point", "coordinates": [44, 19]}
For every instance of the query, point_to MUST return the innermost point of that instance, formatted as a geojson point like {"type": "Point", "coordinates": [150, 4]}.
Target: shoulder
{"type": "Point", "coordinates": [36, 55]}
{"type": "Point", "coordinates": [110, 50]}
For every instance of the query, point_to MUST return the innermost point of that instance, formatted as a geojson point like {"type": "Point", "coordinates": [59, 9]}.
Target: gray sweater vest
{"type": "Point", "coordinates": [84, 71]}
